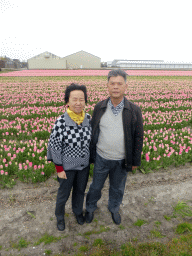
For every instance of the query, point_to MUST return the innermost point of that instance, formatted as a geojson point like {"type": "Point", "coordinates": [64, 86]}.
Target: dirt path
{"type": "Point", "coordinates": [27, 212]}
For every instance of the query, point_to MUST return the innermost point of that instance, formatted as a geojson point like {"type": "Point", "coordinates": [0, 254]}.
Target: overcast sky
{"type": "Point", "coordinates": [115, 29]}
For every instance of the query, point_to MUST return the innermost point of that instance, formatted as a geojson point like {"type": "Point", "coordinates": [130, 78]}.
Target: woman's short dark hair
{"type": "Point", "coordinates": [73, 87]}
{"type": "Point", "coordinates": [117, 72]}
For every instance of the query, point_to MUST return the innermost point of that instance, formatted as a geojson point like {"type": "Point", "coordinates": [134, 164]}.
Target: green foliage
{"type": "Point", "coordinates": [184, 227]}
{"type": "Point", "coordinates": [48, 252]}
{"type": "Point", "coordinates": [31, 215]}
{"type": "Point", "coordinates": [121, 227]}
{"type": "Point", "coordinates": [98, 242]}
{"type": "Point", "coordinates": [83, 248]}
{"type": "Point", "coordinates": [140, 222]}
{"type": "Point", "coordinates": [91, 170]}
{"type": "Point", "coordinates": [21, 244]}
{"type": "Point", "coordinates": [183, 209]}
{"type": "Point", "coordinates": [157, 223]}
{"type": "Point", "coordinates": [7, 181]}
{"type": "Point", "coordinates": [42, 135]}
{"type": "Point", "coordinates": [156, 233]}
{"type": "Point", "coordinates": [168, 218]}
{"type": "Point", "coordinates": [102, 229]}
{"type": "Point", "coordinates": [47, 239]}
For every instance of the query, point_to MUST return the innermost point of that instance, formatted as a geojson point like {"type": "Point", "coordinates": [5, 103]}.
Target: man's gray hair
{"type": "Point", "coordinates": [117, 72]}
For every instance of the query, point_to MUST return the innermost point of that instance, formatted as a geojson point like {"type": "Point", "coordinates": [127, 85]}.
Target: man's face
{"type": "Point", "coordinates": [116, 87]}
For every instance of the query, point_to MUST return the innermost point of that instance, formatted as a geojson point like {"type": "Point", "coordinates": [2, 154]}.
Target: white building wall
{"type": "Point", "coordinates": [82, 60]}
{"type": "Point", "coordinates": [137, 65]}
{"type": "Point", "coordinates": [47, 64]}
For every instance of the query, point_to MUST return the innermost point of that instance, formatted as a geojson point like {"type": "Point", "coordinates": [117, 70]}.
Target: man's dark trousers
{"type": "Point", "coordinates": [117, 177]}
{"type": "Point", "coordinates": [76, 179]}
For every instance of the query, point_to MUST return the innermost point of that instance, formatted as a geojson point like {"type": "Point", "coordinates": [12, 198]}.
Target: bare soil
{"type": "Point", "coordinates": [27, 211]}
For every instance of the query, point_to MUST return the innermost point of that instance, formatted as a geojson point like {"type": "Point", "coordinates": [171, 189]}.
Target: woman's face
{"type": "Point", "coordinates": [76, 101]}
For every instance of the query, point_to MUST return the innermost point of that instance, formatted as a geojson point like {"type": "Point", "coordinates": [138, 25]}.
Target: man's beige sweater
{"type": "Point", "coordinates": [111, 137]}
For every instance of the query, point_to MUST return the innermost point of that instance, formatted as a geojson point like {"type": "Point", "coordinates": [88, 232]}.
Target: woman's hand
{"type": "Point", "coordinates": [62, 175]}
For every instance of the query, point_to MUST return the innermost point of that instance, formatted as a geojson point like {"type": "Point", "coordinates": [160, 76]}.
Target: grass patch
{"type": "Point", "coordinates": [95, 220]}
{"type": "Point", "coordinates": [183, 209]}
{"type": "Point", "coordinates": [121, 227]}
{"type": "Point", "coordinates": [184, 227]}
{"type": "Point", "coordinates": [156, 233]}
{"type": "Point", "coordinates": [140, 222]}
{"type": "Point", "coordinates": [102, 229]}
{"type": "Point", "coordinates": [21, 244]}
{"type": "Point", "coordinates": [48, 252]}
{"type": "Point", "coordinates": [181, 246]}
{"type": "Point", "coordinates": [31, 214]}
{"type": "Point", "coordinates": [47, 239]}
{"type": "Point", "coordinates": [157, 223]}
{"type": "Point", "coordinates": [168, 218]}
{"type": "Point", "coordinates": [98, 242]}
{"type": "Point", "coordinates": [180, 209]}
{"type": "Point", "coordinates": [83, 248]}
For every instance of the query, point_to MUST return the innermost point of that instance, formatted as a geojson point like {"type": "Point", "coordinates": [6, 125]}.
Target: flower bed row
{"type": "Point", "coordinates": [99, 72]}
{"type": "Point", "coordinates": [42, 93]}
{"type": "Point", "coordinates": [27, 159]}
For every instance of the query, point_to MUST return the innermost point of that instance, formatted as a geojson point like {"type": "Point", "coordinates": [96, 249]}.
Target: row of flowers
{"type": "Point", "coordinates": [42, 93]}
{"type": "Point", "coordinates": [95, 73]}
{"type": "Point", "coordinates": [42, 110]}
{"type": "Point", "coordinates": [151, 120]}
{"type": "Point", "coordinates": [158, 145]}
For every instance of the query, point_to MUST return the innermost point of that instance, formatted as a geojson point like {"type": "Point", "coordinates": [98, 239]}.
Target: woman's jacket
{"type": "Point", "coordinates": [69, 143]}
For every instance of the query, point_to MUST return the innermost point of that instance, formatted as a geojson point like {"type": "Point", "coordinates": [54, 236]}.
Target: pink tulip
{"type": "Point", "coordinates": [147, 157]}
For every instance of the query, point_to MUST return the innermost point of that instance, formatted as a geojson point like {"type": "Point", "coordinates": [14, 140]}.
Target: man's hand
{"type": "Point", "coordinates": [62, 175]}
{"type": "Point", "coordinates": [134, 167]}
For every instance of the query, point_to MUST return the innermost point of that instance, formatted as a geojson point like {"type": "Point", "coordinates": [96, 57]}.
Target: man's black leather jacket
{"type": "Point", "coordinates": [133, 132]}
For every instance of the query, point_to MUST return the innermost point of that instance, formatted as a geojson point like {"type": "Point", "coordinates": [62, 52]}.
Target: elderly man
{"type": "Point", "coordinates": [117, 140]}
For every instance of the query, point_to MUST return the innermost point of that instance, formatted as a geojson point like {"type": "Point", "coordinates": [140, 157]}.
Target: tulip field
{"type": "Point", "coordinates": [29, 106]}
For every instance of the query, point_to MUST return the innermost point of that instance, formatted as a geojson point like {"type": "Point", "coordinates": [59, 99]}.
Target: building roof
{"type": "Point", "coordinates": [43, 53]}
{"type": "Point", "coordinates": [81, 51]}
{"type": "Point", "coordinates": [148, 62]}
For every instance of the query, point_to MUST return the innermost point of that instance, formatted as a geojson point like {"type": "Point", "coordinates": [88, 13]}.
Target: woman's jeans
{"type": "Point", "coordinates": [76, 180]}
{"type": "Point", "coordinates": [117, 178]}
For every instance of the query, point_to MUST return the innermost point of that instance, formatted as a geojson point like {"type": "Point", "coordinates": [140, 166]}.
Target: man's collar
{"type": "Point", "coordinates": [121, 103]}
{"type": "Point", "coordinates": [126, 103]}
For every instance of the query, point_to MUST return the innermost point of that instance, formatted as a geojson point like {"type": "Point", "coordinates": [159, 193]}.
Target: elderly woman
{"type": "Point", "coordinates": [68, 149]}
